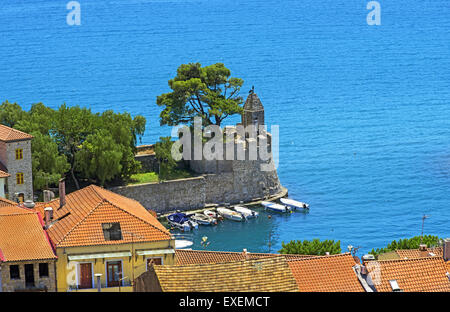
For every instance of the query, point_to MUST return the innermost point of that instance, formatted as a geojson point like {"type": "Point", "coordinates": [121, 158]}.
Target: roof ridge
{"type": "Point", "coordinates": [319, 256]}
{"type": "Point", "coordinates": [273, 258]}
{"type": "Point", "coordinates": [145, 221]}
{"type": "Point", "coordinates": [410, 259]}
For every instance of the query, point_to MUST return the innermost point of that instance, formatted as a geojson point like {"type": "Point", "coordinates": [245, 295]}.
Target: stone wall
{"type": "Point", "coordinates": [183, 194]}
{"type": "Point", "coordinates": [246, 182]}
{"type": "Point", "coordinates": [11, 285]}
{"type": "Point", "coordinates": [220, 181]}
{"type": "Point", "coordinates": [23, 166]}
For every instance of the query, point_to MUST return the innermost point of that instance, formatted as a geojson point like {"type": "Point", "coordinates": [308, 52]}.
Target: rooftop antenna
{"type": "Point", "coordinates": [423, 222]}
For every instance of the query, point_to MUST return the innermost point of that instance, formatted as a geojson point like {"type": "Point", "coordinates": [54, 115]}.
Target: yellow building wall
{"type": "Point", "coordinates": [67, 272]}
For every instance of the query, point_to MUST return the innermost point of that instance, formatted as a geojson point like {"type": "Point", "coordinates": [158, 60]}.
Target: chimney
{"type": "Point", "coordinates": [423, 252]}
{"type": "Point", "coordinates": [48, 211]}
{"type": "Point", "coordinates": [62, 193]}
{"type": "Point", "coordinates": [446, 251]}
{"type": "Point", "coordinates": [367, 258]}
{"type": "Point", "coordinates": [245, 253]}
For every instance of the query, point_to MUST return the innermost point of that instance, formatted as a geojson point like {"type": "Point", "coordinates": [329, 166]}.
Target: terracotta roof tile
{"type": "Point", "coordinates": [81, 218]}
{"type": "Point", "coordinates": [266, 275]}
{"type": "Point", "coordinates": [8, 134]}
{"type": "Point", "coordinates": [326, 274]}
{"type": "Point", "coordinates": [22, 236]}
{"type": "Point", "coordinates": [6, 202]}
{"type": "Point", "coordinates": [184, 256]}
{"type": "Point", "coordinates": [412, 275]}
{"type": "Point", "coordinates": [416, 253]}
{"type": "Point", "coordinates": [4, 174]}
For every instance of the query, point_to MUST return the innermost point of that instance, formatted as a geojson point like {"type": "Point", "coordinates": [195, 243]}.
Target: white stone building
{"type": "Point", "coordinates": [16, 179]}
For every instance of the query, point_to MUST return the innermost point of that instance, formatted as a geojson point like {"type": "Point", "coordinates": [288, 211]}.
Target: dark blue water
{"type": "Point", "coordinates": [364, 111]}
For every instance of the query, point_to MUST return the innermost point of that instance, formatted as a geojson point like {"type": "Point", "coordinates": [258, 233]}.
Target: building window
{"type": "Point", "coordinates": [19, 153]}
{"type": "Point", "coordinates": [151, 261]}
{"type": "Point", "coordinates": [43, 269]}
{"type": "Point", "coordinates": [14, 272]}
{"type": "Point", "coordinates": [112, 231]}
{"type": "Point", "coordinates": [19, 178]}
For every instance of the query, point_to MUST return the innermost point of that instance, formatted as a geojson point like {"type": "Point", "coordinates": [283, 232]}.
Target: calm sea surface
{"type": "Point", "coordinates": [364, 111]}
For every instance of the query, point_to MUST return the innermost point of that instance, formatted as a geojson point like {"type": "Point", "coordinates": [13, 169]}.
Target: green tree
{"type": "Point", "coordinates": [163, 153]}
{"type": "Point", "coordinates": [314, 247]}
{"type": "Point", "coordinates": [11, 113]}
{"type": "Point", "coordinates": [408, 243]}
{"type": "Point", "coordinates": [40, 118]}
{"type": "Point", "coordinates": [48, 165]}
{"type": "Point", "coordinates": [72, 126]}
{"type": "Point", "coordinates": [99, 157]}
{"type": "Point", "coordinates": [208, 92]}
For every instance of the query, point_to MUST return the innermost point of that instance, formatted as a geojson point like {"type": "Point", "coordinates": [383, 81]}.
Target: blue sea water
{"type": "Point", "coordinates": [364, 111]}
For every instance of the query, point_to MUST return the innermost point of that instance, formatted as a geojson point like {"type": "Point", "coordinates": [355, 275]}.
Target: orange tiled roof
{"type": "Point", "coordinates": [22, 236]}
{"type": "Point", "coordinates": [184, 256]}
{"type": "Point", "coordinates": [4, 174]}
{"type": "Point", "coordinates": [6, 202]}
{"type": "Point", "coordinates": [412, 275]}
{"type": "Point", "coordinates": [326, 274]}
{"type": "Point", "coordinates": [85, 210]}
{"type": "Point", "coordinates": [416, 253]}
{"type": "Point", "coordinates": [266, 275]}
{"type": "Point", "coordinates": [8, 134]}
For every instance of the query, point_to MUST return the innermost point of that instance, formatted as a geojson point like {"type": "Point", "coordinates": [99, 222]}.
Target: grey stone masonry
{"type": "Point", "coordinates": [18, 166]}
{"type": "Point", "coordinates": [41, 283]}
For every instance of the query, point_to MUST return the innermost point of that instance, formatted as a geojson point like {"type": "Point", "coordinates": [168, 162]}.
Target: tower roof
{"type": "Point", "coordinates": [253, 103]}
{"type": "Point", "coordinates": [8, 134]}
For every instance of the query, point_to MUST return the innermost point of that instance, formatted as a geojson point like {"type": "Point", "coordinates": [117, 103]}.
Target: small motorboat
{"type": "Point", "coordinates": [212, 214]}
{"type": "Point", "coordinates": [276, 207]}
{"type": "Point", "coordinates": [294, 204]}
{"type": "Point", "coordinates": [181, 221]}
{"type": "Point", "coordinates": [203, 219]}
{"type": "Point", "coordinates": [247, 213]}
{"type": "Point", "coordinates": [230, 214]}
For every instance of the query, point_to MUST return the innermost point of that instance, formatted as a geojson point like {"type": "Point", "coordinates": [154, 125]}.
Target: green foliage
{"type": "Point", "coordinates": [407, 243]}
{"type": "Point", "coordinates": [99, 157]}
{"type": "Point", "coordinates": [10, 114]}
{"type": "Point", "coordinates": [163, 152]}
{"type": "Point", "coordinates": [314, 247]}
{"type": "Point", "coordinates": [98, 147]}
{"type": "Point", "coordinates": [146, 177]}
{"type": "Point", "coordinates": [48, 165]}
{"type": "Point", "coordinates": [208, 92]}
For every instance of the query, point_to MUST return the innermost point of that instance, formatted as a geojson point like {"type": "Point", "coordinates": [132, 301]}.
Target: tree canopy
{"type": "Point", "coordinates": [76, 141]}
{"type": "Point", "coordinates": [314, 247]}
{"type": "Point", "coordinates": [208, 92]}
{"type": "Point", "coordinates": [163, 154]}
{"type": "Point", "coordinates": [408, 243]}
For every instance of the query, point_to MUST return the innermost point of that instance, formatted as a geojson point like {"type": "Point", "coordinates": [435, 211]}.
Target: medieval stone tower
{"type": "Point", "coordinates": [253, 111]}
{"type": "Point", "coordinates": [15, 164]}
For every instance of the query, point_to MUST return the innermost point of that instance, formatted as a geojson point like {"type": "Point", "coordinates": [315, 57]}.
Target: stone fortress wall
{"type": "Point", "coordinates": [219, 181]}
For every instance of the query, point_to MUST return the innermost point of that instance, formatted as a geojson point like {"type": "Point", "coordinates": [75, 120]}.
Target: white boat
{"type": "Point", "coordinates": [203, 219]}
{"type": "Point", "coordinates": [230, 214]}
{"type": "Point", "coordinates": [210, 213]}
{"type": "Point", "coordinates": [294, 204]}
{"type": "Point", "coordinates": [247, 213]}
{"type": "Point", "coordinates": [275, 207]}
{"type": "Point", "coordinates": [183, 244]}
